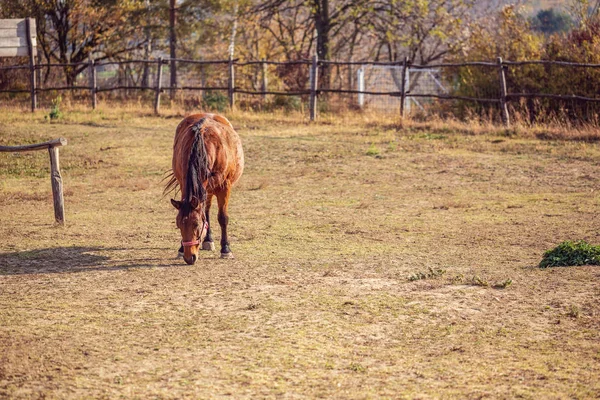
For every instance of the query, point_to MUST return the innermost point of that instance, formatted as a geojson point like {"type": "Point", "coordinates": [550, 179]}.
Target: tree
{"type": "Point", "coordinates": [303, 26]}
{"type": "Point", "coordinates": [70, 31]}
{"type": "Point", "coordinates": [550, 21]}
{"type": "Point", "coordinates": [424, 31]}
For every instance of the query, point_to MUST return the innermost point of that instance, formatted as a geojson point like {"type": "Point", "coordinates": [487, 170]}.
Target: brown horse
{"type": "Point", "coordinates": [207, 160]}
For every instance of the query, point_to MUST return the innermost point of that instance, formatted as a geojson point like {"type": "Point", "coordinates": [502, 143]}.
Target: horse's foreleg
{"type": "Point", "coordinates": [223, 216]}
{"type": "Point", "coordinates": [208, 243]}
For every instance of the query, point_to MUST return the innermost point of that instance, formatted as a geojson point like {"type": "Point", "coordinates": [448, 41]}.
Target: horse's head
{"type": "Point", "coordinates": [191, 222]}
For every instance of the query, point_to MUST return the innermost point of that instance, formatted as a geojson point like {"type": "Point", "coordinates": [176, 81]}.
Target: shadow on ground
{"type": "Point", "coordinates": [77, 259]}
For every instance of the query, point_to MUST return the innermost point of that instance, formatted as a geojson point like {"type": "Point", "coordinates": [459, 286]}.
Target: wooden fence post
{"type": "Point", "coordinates": [32, 82]}
{"type": "Point", "coordinates": [158, 84]}
{"type": "Point", "coordinates": [231, 83]}
{"type": "Point", "coordinates": [38, 71]}
{"type": "Point", "coordinates": [265, 80]}
{"type": "Point", "coordinates": [57, 186]}
{"type": "Point", "coordinates": [314, 79]}
{"type": "Point", "coordinates": [93, 81]}
{"type": "Point", "coordinates": [503, 106]}
{"type": "Point", "coordinates": [403, 87]}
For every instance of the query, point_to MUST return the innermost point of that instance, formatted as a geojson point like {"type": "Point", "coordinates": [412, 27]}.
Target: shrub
{"type": "Point", "coordinates": [288, 103]}
{"type": "Point", "coordinates": [55, 112]}
{"type": "Point", "coordinates": [216, 101]}
{"type": "Point", "coordinates": [550, 21]}
{"type": "Point", "coordinates": [571, 254]}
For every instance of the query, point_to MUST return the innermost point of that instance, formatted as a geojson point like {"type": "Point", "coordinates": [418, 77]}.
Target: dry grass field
{"type": "Point", "coordinates": [371, 262]}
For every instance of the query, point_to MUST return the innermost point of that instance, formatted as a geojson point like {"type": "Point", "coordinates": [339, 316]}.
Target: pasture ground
{"type": "Point", "coordinates": [371, 262]}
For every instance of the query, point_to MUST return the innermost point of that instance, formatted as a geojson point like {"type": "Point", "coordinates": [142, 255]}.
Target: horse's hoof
{"type": "Point", "coordinates": [227, 255]}
{"type": "Point", "coordinates": [179, 254]}
{"type": "Point", "coordinates": [210, 246]}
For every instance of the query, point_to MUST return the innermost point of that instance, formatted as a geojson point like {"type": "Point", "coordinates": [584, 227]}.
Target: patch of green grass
{"type": "Point", "coordinates": [356, 367]}
{"type": "Point", "coordinates": [373, 151]}
{"type": "Point", "coordinates": [571, 254]}
{"type": "Point", "coordinates": [479, 281]}
{"type": "Point", "coordinates": [432, 273]}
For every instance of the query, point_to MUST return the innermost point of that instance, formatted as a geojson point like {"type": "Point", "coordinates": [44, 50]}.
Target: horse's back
{"type": "Point", "coordinates": [223, 147]}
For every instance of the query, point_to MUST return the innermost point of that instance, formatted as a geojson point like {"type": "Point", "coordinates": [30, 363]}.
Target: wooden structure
{"type": "Point", "coordinates": [314, 84]}
{"type": "Point", "coordinates": [55, 177]}
{"type": "Point", "coordinates": [18, 39]}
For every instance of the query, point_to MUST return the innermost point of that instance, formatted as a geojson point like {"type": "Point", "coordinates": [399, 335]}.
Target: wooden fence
{"type": "Point", "coordinates": [314, 91]}
{"type": "Point", "coordinates": [55, 177]}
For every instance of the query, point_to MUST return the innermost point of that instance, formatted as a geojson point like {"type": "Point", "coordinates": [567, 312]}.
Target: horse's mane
{"type": "Point", "coordinates": [198, 168]}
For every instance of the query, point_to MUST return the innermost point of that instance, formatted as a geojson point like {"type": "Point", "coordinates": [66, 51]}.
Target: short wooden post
{"type": "Point", "coordinates": [231, 83]}
{"type": "Point", "coordinates": [32, 81]}
{"type": "Point", "coordinates": [93, 83]}
{"type": "Point", "coordinates": [158, 85]}
{"type": "Point", "coordinates": [503, 106]}
{"type": "Point", "coordinates": [57, 186]}
{"type": "Point", "coordinates": [314, 79]}
{"type": "Point", "coordinates": [265, 81]}
{"type": "Point", "coordinates": [403, 87]}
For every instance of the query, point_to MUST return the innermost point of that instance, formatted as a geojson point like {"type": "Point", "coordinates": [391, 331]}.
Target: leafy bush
{"type": "Point", "coordinates": [55, 112]}
{"type": "Point", "coordinates": [571, 254]}
{"type": "Point", "coordinates": [288, 103]}
{"type": "Point", "coordinates": [550, 21]}
{"type": "Point", "coordinates": [216, 101]}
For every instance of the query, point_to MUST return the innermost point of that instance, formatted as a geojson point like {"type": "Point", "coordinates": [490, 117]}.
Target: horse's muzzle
{"type": "Point", "coordinates": [191, 260]}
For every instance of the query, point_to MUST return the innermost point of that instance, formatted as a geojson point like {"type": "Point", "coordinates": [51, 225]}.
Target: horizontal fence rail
{"type": "Point", "coordinates": [312, 91]}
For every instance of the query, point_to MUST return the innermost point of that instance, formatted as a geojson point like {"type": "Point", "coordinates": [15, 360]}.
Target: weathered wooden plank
{"type": "Point", "coordinates": [12, 32]}
{"type": "Point", "coordinates": [231, 84]}
{"type": "Point", "coordinates": [16, 42]}
{"type": "Point", "coordinates": [93, 84]}
{"type": "Point", "coordinates": [37, 146]}
{"type": "Point", "coordinates": [314, 79]}
{"type": "Point", "coordinates": [14, 52]}
{"type": "Point", "coordinates": [31, 50]}
{"type": "Point", "coordinates": [503, 106]}
{"type": "Point", "coordinates": [158, 85]}
{"type": "Point", "coordinates": [57, 186]}
{"type": "Point", "coordinates": [15, 23]}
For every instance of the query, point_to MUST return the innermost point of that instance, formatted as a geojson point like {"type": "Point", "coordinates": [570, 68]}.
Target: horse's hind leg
{"type": "Point", "coordinates": [208, 243]}
{"type": "Point", "coordinates": [223, 216]}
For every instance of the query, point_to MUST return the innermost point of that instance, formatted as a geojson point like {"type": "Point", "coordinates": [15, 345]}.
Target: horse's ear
{"type": "Point", "coordinates": [195, 203]}
{"type": "Point", "coordinates": [176, 204]}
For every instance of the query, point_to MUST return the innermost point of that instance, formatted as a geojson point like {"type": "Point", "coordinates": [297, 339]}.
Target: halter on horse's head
{"type": "Point", "coordinates": [191, 221]}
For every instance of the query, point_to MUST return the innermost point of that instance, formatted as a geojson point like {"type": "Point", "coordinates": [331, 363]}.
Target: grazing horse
{"type": "Point", "coordinates": [207, 160]}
